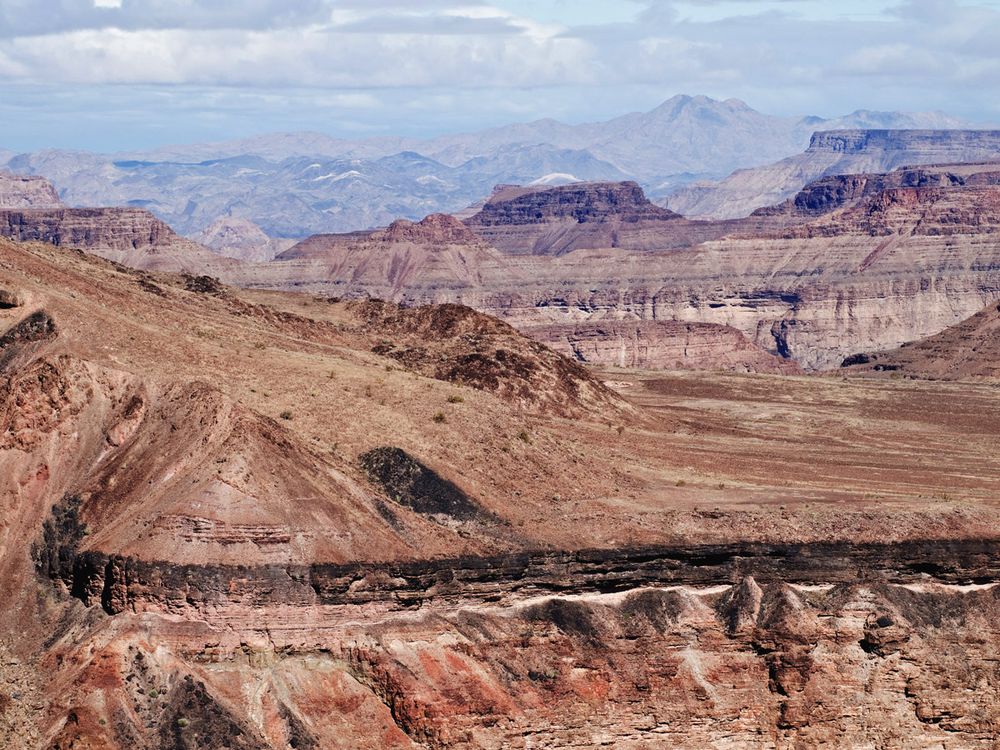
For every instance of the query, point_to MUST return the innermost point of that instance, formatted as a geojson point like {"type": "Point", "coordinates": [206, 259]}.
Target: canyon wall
{"type": "Point", "coordinates": [829, 153]}
{"type": "Point", "coordinates": [851, 264]}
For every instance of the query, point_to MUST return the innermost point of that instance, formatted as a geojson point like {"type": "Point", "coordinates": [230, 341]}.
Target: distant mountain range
{"type": "Point", "coordinates": [295, 184]}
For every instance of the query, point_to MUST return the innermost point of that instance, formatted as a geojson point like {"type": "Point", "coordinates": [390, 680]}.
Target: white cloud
{"type": "Point", "coordinates": [458, 63]}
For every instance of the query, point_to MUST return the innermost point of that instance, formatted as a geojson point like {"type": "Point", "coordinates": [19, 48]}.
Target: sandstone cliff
{"type": "Point", "coordinates": [131, 236]}
{"type": "Point", "coordinates": [970, 349]}
{"type": "Point", "coordinates": [660, 345]}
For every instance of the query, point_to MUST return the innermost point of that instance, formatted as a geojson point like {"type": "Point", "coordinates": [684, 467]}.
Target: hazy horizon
{"type": "Point", "coordinates": [118, 75]}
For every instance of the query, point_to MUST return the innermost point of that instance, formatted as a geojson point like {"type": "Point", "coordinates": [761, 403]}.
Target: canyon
{"type": "Point", "coordinates": [852, 263]}
{"type": "Point", "coordinates": [259, 519]}
{"type": "Point", "coordinates": [566, 469]}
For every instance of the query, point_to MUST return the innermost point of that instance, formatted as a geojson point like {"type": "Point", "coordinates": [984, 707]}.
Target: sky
{"type": "Point", "coordinates": [119, 75]}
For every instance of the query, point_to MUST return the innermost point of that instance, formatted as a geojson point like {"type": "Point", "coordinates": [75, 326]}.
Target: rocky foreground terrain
{"type": "Point", "coordinates": [255, 519]}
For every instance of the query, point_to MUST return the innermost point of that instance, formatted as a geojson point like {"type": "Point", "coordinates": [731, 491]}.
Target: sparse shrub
{"type": "Point", "coordinates": [680, 483]}
{"type": "Point", "coordinates": [621, 430]}
{"type": "Point", "coordinates": [182, 722]}
{"type": "Point", "coordinates": [368, 391]}
{"type": "Point", "coordinates": [285, 414]}
{"type": "Point", "coordinates": [455, 399]}
{"type": "Point", "coordinates": [523, 436]}
{"type": "Point", "coordinates": [153, 693]}
{"type": "Point", "coordinates": [439, 418]}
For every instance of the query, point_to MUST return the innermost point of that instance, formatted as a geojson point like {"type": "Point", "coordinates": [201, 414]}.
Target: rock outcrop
{"type": "Point", "coordinates": [660, 345]}
{"type": "Point", "coordinates": [22, 191]}
{"type": "Point", "coordinates": [830, 153]}
{"type": "Point", "coordinates": [239, 238]}
{"type": "Point", "coordinates": [460, 345]}
{"type": "Point", "coordinates": [131, 236]}
{"type": "Point", "coordinates": [539, 220]}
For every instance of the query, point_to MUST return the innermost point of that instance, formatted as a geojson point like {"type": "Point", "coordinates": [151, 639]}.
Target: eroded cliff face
{"type": "Point", "coordinates": [852, 263]}
{"type": "Point", "coordinates": [131, 236]}
{"type": "Point", "coordinates": [21, 191]}
{"type": "Point", "coordinates": [661, 345]}
{"type": "Point", "coordinates": [830, 153]}
{"type": "Point", "coordinates": [753, 663]}
{"type": "Point", "coordinates": [969, 349]}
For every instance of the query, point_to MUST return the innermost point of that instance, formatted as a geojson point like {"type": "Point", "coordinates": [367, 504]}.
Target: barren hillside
{"type": "Point", "coordinates": [268, 520]}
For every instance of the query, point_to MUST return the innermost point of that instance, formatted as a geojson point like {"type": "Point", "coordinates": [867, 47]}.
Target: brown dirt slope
{"type": "Point", "coordinates": [459, 345]}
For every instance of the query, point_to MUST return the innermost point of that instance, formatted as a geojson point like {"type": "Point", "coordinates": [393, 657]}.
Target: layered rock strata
{"type": "Point", "coordinates": [833, 152]}
{"type": "Point", "coordinates": [261, 520]}
{"type": "Point", "coordinates": [130, 236]}
{"type": "Point", "coordinates": [660, 345]}
{"type": "Point", "coordinates": [852, 264]}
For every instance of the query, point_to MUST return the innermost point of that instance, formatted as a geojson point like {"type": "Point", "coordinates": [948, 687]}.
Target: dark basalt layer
{"type": "Point", "coordinates": [121, 583]}
{"type": "Point", "coordinates": [409, 482]}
